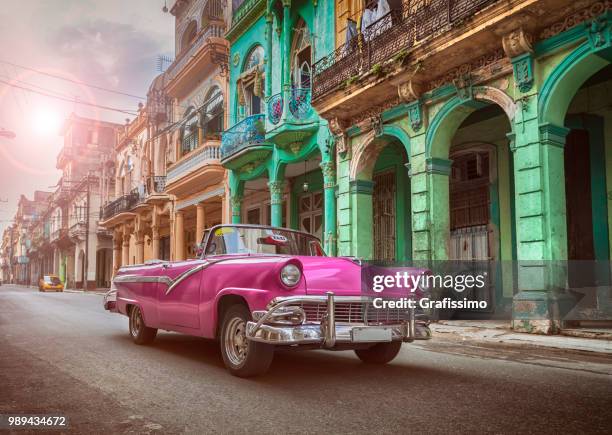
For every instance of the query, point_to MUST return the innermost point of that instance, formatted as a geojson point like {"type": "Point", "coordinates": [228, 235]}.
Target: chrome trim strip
{"type": "Point", "coordinates": [141, 278]}
{"type": "Point", "coordinates": [183, 276]}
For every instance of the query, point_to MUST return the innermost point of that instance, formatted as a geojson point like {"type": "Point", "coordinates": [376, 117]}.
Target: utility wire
{"type": "Point", "coordinates": [73, 81]}
{"type": "Point", "coordinates": [75, 100]}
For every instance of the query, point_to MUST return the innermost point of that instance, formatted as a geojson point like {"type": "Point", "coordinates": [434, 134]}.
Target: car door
{"type": "Point", "coordinates": [179, 300]}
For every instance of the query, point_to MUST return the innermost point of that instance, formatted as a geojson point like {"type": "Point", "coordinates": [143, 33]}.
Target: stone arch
{"type": "Point", "coordinates": [563, 82]}
{"type": "Point", "coordinates": [366, 151]}
{"type": "Point", "coordinates": [448, 119]}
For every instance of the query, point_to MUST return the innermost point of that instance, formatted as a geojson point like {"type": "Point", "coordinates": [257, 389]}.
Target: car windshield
{"type": "Point", "coordinates": [261, 240]}
{"type": "Point", "coordinates": [52, 280]}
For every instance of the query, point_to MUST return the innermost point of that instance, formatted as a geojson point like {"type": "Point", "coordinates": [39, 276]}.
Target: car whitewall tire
{"type": "Point", "coordinates": [241, 356]}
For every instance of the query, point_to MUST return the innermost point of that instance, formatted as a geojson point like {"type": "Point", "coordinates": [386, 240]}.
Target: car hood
{"type": "Point", "coordinates": [343, 276]}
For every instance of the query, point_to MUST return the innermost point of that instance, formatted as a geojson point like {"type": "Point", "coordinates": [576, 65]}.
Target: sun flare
{"type": "Point", "coordinates": [47, 121]}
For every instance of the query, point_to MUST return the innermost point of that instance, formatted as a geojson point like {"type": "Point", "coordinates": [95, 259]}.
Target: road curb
{"type": "Point", "coordinates": [504, 336]}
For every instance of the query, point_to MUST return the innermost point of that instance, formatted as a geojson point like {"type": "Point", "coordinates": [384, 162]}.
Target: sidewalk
{"type": "Point", "coordinates": [500, 332]}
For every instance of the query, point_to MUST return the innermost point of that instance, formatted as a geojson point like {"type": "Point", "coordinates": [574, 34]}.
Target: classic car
{"type": "Point", "coordinates": [257, 288]}
{"type": "Point", "coordinates": [50, 283]}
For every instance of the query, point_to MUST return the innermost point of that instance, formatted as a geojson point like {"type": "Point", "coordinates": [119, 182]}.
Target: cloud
{"type": "Point", "coordinates": [108, 53]}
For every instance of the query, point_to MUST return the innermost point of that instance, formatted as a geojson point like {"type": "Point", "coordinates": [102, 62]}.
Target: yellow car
{"type": "Point", "coordinates": [50, 283]}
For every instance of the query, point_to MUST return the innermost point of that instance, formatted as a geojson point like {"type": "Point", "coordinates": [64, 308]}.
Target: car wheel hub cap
{"type": "Point", "coordinates": [236, 343]}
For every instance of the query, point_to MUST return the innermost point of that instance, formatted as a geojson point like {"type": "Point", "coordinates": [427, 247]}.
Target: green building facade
{"type": "Point", "coordinates": [480, 133]}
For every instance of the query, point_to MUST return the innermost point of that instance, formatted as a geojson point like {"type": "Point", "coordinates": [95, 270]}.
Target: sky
{"type": "Point", "coordinates": [111, 44]}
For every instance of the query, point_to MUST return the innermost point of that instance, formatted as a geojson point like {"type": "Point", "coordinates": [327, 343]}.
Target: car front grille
{"type": "Point", "coordinates": [355, 312]}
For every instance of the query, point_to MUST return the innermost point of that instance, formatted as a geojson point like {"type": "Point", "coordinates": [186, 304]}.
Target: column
{"type": "Point", "coordinates": [179, 233]}
{"type": "Point", "coordinates": [541, 230]}
{"type": "Point", "coordinates": [155, 232]}
{"type": "Point", "coordinates": [276, 202]}
{"type": "Point", "coordinates": [125, 251]}
{"type": "Point", "coordinates": [269, 36]}
{"type": "Point", "coordinates": [361, 218]}
{"type": "Point", "coordinates": [236, 204]}
{"type": "Point", "coordinates": [139, 246]}
{"type": "Point", "coordinates": [286, 58]}
{"type": "Point", "coordinates": [116, 252]}
{"type": "Point", "coordinates": [329, 198]}
{"type": "Point", "coordinates": [200, 219]}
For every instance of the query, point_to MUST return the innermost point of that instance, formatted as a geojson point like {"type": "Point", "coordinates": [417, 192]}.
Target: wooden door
{"type": "Point", "coordinates": [384, 207]}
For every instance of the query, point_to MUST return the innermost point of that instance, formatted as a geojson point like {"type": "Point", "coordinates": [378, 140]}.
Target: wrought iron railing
{"type": "Point", "coordinates": [299, 105]}
{"type": "Point", "coordinates": [156, 184]}
{"type": "Point", "coordinates": [390, 37]}
{"type": "Point", "coordinates": [190, 143]}
{"type": "Point", "coordinates": [122, 204]}
{"type": "Point", "coordinates": [248, 132]}
{"type": "Point", "coordinates": [275, 108]}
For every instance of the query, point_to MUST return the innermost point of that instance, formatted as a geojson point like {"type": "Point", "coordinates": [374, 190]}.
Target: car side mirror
{"type": "Point", "coordinates": [199, 249]}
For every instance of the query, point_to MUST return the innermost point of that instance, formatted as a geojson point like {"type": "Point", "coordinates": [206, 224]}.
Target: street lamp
{"type": "Point", "coordinates": [7, 133]}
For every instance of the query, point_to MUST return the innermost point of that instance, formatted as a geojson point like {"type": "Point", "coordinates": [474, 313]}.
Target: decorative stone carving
{"type": "Point", "coordinates": [415, 114]}
{"type": "Point", "coordinates": [522, 67]}
{"type": "Point", "coordinates": [572, 20]}
{"type": "Point", "coordinates": [410, 90]}
{"type": "Point", "coordinates": [480, 69]}
{"type": "Point", "coordinates": [599, 32]}
{"type": "Point", "coordinates": [463, 85]}
{"type": "Point", "coordinates": [337, 127]}
{"type": "Point", "coordinates": [517, 42]}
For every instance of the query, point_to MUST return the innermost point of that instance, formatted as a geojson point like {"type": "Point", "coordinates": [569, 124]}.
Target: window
{"type": "Point", "coordinates": [302, 57]}
{"type": "Point", "coordinates": [250, 85]}
{"type": "Point", "coordinates": [213, 114]}
{"type": "Point", "coordinates": [190, 128]}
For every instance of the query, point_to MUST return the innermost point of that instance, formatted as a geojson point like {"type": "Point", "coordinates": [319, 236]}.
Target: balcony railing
{"type": "Point", "coordinates": [189, 143]}
{"type": "Point", "coordinates": [122, 204]}
{"type": "Point", "coordinates": [58, 234]}
{"type": "Point", "coordinates": [391, 36]}
{"type": "Point", "coordinates": [216, 30]}
{"type": "Point", "coordinates": [275, 108]}
{"type": "Point", "coordinates": [248, 132]}
{"type": "Point", "coordinates": [156, 184]}
{"type": "Point", "coordinates": [299, 105]}
{"type": "Point", "coordinates": [195, 160]}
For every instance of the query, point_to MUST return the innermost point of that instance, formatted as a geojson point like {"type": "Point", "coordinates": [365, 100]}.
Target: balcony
{"type": "Point", "coordinates": [242, 16]}
{"type": "Point", "coordinates": [196, 170]}
{"type": "Point", "coordinates": [121, 205]}
{"type": "Point", "coordinates": [156, 184]}
{"type": "Point", "coordinates": [64, 156]}
{"type": "Point", "coordinates": [209, 48]}
{"type": "Point", "coordinates": [292, 124]}
{"type": "Point", "coordinates": [245, 142]}
{"type": "Point", "coordinates": [77, 230]}
{"type": "Point", "coordinates": [58, 234]}
{"type": "Point", "coordinates": [391, 38]}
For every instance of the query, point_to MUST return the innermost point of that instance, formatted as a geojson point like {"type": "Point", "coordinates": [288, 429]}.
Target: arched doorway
{"type": "Point", "coordinates": [380, 191]}
{"type": "Point", "coordinates": [391, 205]}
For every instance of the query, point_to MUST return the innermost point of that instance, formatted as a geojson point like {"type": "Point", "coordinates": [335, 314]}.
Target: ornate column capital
{"type": "Point", "coordinates": [410, 90]}
{"type": "Point", "coordinates": [276, 191]}
{"type": "Point", "coordinates": [329, 174]}
{"type": "Point", "coordinates": [235, 203]}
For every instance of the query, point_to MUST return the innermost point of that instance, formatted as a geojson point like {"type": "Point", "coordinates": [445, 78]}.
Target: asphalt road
{"type": "Point", "coordinates": [62, 353]}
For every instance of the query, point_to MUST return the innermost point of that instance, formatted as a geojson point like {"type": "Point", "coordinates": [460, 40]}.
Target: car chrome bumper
{"type": "Point", "coordinates": [110, 301]}
{"type": "Point", "coordinates": [282, 324]}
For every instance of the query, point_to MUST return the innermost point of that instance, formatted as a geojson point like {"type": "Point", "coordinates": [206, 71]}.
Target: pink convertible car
{"type": "Point", "coordinates": [258, 288]}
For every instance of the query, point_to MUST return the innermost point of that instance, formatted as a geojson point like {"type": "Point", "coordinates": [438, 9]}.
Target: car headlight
{"type": "Point", "coordinates": [290, 275]}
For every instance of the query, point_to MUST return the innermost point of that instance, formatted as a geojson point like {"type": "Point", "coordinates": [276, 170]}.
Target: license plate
{"type": "Point", "coordinates": [370, 334]}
